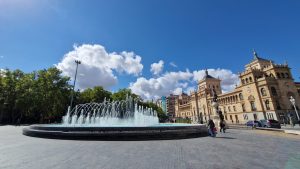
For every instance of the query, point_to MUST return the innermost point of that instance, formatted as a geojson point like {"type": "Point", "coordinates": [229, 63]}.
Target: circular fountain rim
{"type": "Point", "coordinates": [158, 132]}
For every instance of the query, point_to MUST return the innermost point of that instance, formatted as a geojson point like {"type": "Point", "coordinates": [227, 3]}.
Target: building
{"type": "Point", "coordinates": [263, 93]}
{"type": "Point", "coordinates": [183, 103]}
{"type": "Point", "coordinates": [162, 103]}
{"type": "Point", "coordinates": [171, 99]}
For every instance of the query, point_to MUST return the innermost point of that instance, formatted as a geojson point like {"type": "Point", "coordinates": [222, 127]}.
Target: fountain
{"type": "Point", "coordinates": [114, 120]}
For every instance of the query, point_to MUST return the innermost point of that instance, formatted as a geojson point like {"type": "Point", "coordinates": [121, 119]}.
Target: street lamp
{"type": "Point", "coordinates": [292, 100]}
{"type": "Point", "coordinates": [77, 63]}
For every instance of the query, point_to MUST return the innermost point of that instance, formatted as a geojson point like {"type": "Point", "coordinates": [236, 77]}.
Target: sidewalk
{"type": "Point", "coordinates": [289, 127]}
{"type": "Point", "coordinates": [285, 129]}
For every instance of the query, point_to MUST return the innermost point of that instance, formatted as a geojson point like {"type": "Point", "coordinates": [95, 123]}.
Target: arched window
{"type": "Point", "coordinates": [253, 107]}
{"type": "Point", "coordinates": [243, 81]}
{"type": "Point", "coordinates": [267, 104]}
{"type": "Point", "coordinates": [273, 91]}
{"type": "Point", "coordinates": [247, 80]}
{"type": "Point", "coordinates": [250, 79]}
{"type": "Point", "coordinates": [241, 96]}
{"type": "Point", "coordinates": [263, 91]}
{"type": "Point", "coordinates": [234, 109]}
{"type": "Point", "coordinates": [287, 75]}
{"type": "Point", "coordinates": [282, 75]}
{"type": "Point", "coordinates": [278, 75]}
{"type": "Point", "coordinates": [229, 110]}
{"type": "Point", "coordinates": [243, 107]}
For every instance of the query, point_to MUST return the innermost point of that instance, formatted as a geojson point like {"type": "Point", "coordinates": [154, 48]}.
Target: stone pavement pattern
{"type": "Point", "coordinates": [232, 150]}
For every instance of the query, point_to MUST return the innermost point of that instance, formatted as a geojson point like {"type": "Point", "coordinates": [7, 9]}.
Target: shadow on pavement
{"type": "Point", "coordinates": [226, 137]}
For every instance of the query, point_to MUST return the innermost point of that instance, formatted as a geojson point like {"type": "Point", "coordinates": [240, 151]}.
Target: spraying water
{"type": "Point", "coordinates": [116, 113]}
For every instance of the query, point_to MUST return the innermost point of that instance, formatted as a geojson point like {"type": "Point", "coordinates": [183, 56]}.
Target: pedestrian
{"type": "Point", "coordinates": [222, 126]}
{"type": "Point", "coordinates": [211, 128]}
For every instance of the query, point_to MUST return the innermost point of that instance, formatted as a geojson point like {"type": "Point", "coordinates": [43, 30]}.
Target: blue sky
{"type": "Point", "coordinates": [36, 34]}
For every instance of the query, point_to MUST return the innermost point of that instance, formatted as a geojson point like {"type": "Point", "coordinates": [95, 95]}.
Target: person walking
{"type": "Point", "coordinates": [211, 128]}
{"type": "Point", "coordinates": [222, 126]}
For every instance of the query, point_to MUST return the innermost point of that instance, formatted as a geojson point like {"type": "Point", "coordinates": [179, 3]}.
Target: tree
{"type": "Point", "coordinates": [160, 113]}
{"type": "Point", "coordinates": [123, 93]}
{"type": "Point", "coordinates": [97, 94]}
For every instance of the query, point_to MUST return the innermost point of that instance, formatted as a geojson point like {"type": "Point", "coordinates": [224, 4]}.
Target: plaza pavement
{"type": "Point", "coordinates": [237, 149]}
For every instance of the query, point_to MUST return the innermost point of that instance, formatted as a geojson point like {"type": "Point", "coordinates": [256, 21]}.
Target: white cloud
{"type": "Point", "coordinates": [173, 64]}
{"type": "Point", "coordinates": [161, 86]}
{"type": "Point", "coordinates": [177, 82]}
{"type": "Point", "coordinates": [177, 91]}
{"type": "Point", "coordinates": [97, 66]}
{"type": "Point", "coordinates": [1, 57]}
{"type": "Point", "coordinates": [156, 68]}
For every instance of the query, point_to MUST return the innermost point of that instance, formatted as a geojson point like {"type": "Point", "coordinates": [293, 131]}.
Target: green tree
{"type": "Point", "coordinates": [97, 94]}
{"type": "Point", "coordinates": [123, 93]}
{"type": "Point", "coordinates": [160, 113]}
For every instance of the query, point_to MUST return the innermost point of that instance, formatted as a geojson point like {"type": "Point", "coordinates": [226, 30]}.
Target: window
{"type": "Point", "coordinates": [247, 80]}
{"type": "Point", "coordinates": [234, 108]}
{"type": "Point", "coordinates": [273, 91]}
{"type": "Point", "coordinates": [282, 75]}
{"type": "Point", "coordinates": [263, 91]}
{"type": "Point", "coordinates": [243, 81]}
{"type": "Point", "coordinates": [250, 79]}
{"type": "Point", "coordinates": [267, 104]}
{"type": "Point", "coordinates": [278, 75]}
{"type": "Point", "coordinates": [236, 119]}
{"type": "Point", "coordinates": [253, 107]}
{"type": "Point", "coordinates": [241, 96]}
{"type": "Point", "coordinates": [278, 105]}
{"type": "Point", "coordinates": [243, 107]}
{"type": "Point", "coordinates": [229, 109]}
{"type": "Point", "coordinates": [287, 75]}
{"type": "Point", "coordinates": [245, 117]}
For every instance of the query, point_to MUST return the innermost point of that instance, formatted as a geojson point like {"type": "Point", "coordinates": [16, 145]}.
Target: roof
{"type": "Point", "coordinates": [256, 57]}
{"type": "Point", "coordinates": [207, 76]}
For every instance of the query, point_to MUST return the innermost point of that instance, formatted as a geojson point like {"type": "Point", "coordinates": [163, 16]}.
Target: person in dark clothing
{"type": "Point", "coordinates": [222, 126]}
{"type": "Point", "coordinates": [211, 128]}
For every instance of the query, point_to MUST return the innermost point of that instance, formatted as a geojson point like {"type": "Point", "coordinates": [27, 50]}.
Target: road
{"type": "Point", "coordinates": [236, 149]}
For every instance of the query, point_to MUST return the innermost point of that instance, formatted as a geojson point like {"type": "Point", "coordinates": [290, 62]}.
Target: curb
{"type": "Point", "coordinates": [295, 132]}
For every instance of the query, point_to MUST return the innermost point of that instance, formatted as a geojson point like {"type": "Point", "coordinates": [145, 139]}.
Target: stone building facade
{"type": "Point", "coordinates": [170, 104]}
{"type": "Point", "coordinates": [263, 93]}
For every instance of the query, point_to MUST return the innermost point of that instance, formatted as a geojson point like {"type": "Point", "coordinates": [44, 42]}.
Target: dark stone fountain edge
{"type": "Point", "coordinates": [116, 133]}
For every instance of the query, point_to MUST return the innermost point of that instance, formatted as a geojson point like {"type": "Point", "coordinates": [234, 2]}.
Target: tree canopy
{"type": "Point", "coordinates": [43, 96]}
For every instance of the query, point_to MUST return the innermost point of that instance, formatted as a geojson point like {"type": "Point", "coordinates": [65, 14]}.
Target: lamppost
{"type": "Point", "coordinates": [77, 63]}
{"type": "Point", "coordinates": [292, 100]}
{"type": "Point", "coordinates": [197, 106]}
{"type": "Point", "coordinates": [254, 117]}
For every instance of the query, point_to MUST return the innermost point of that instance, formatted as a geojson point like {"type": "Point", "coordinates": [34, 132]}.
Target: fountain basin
{"type": "Point", "coordinates": [156, 132]}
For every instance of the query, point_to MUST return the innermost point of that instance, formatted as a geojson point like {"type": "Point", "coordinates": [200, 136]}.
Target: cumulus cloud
{"type": "Point", "coordinates": [161, 86]}
{"type": "Point", "coordinates": [98, 67]}
{"type": "Point", "coordinates": [173, 64]}
{"type": "Point", "coordinates": [156, 68]}
{"type": "Point", "coordinates": [178, 82]}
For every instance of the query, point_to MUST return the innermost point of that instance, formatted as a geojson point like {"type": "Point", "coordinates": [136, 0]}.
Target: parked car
{"type": "Point", "coordinates": [270, 123]}
{"type": "Point", "coordinates": [256, 123]}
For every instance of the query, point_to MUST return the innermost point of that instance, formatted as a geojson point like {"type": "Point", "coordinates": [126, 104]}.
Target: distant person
{"type": "Point", "coordinates": [211, 128]}
{"type": "Point", "coordinates": [222, 126]}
